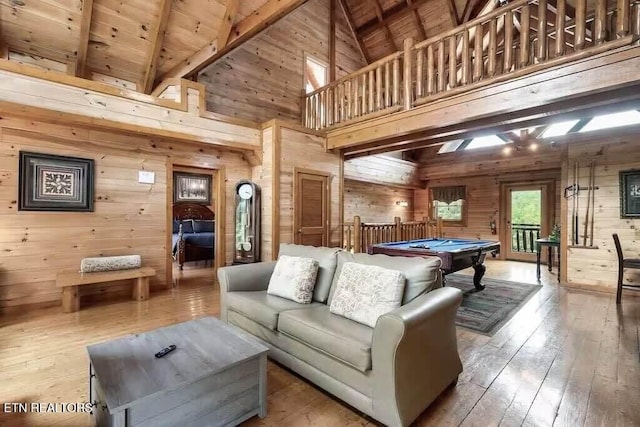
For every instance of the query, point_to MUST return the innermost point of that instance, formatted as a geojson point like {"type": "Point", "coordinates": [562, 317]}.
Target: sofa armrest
{"type": "Point", "coordinates": [415, 355]}
{"type": "Point", "coordinates": [246, 277]}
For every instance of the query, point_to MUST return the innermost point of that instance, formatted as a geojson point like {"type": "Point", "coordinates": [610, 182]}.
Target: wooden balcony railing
{"type": "Point", "coordinates": [358, 236]}
{"type": "Point", "coordinates": [519, 38]}
{"type": "Point", "coordinates": [523, 237]}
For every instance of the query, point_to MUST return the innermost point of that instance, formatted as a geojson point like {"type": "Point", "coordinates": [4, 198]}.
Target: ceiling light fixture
{"type": "Point", "coordinates": [402, 203]}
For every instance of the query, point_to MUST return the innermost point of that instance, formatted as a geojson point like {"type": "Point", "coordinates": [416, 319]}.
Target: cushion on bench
{"type": "Point", "coordinates": [110, 263]}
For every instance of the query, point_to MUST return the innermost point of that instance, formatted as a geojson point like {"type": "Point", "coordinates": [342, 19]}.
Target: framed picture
{"type": "Point", "coordinates": [191, 188]}
{"type": "Point", "coordinates": [55, 183]}
{"type": "Point", "coordinates": [630, 194]}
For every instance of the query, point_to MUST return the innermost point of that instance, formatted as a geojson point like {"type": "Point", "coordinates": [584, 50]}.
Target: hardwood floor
{"type": "Point", "coordinates": [568, 358]}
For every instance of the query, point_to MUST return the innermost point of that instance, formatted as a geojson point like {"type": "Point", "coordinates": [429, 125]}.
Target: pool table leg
{"type": "Point", "coordinates": [479, 272]}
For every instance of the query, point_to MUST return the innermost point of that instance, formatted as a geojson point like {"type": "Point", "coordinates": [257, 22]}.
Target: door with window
{"type": "Point", "coordinates": [527, 219]}
{"type": "Point", "coordinates": [311, 208]}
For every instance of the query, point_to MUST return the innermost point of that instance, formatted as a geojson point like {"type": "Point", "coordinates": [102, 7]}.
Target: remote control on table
{"type": "Point", "coordinates": [165, 351]}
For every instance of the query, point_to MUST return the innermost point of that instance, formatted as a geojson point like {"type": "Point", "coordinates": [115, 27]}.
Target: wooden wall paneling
{"type": "Point", "coordinates": [383, 169]}
{"type": "Point", "coordinates": [263, 176]}
{"type": "Point", "coordinates": [376, 202]}
{"type": "Point", "coordinates": [36, 61]}
{"type": "Point", "coordinates": [277, 206]}
{"type": "Point", "coordinates": [129, 217]}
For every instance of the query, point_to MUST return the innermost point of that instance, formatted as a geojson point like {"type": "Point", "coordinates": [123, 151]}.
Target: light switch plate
{"type": "Point", "coordinates": [146, 177]}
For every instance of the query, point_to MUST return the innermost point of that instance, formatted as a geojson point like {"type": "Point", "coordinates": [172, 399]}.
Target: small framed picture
{"type": "Point", "coordinates": [55, 183]}
{"type": "Point", "coordinates": [630, 194]}
{"type": "Point", "coordinates": [191, 188]}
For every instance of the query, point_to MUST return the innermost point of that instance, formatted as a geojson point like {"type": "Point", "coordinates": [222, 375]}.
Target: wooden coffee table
{"type": "Point", "coordinates": [217, 375]}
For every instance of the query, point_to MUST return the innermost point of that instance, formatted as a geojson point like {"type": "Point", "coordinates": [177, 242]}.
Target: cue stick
{"type": "Point", "coordinates": [577, 211]}
{"type": "Point", "coordinates": [573, 205]}
{"type": "Point", "coordinates": [586, 215]}
{"type": "Point", "coordinates": [593, 199]}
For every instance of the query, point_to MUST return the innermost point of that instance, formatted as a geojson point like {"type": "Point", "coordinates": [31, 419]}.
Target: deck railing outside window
{"type": "Point", "coordinates": [519, 38]}
{"type": "Point", "coordinates": [523, 237]}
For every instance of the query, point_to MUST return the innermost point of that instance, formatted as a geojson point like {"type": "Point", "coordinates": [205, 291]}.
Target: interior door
{"type": "Point", "coordinates": [311, 208]}
{"type": "Point", "coordinates": [526, 220]}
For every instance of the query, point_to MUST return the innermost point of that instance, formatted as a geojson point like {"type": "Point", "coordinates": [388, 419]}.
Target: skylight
{"type": "Point", "coordinates": [559, 129]}
{"type": "Point", "coordinates": [606, 121]}
{"type": "Point", "coordinates": [485, 141]}
{"type": "Point", "coordinates": [451, 146]}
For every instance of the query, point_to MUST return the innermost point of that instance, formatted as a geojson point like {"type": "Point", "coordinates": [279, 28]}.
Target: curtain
{"type": "Point", "coordinates": [449, 194]}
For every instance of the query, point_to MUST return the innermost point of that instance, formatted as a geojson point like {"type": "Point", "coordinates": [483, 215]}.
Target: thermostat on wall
{"type": "Point", "coordinates": [146, 177]}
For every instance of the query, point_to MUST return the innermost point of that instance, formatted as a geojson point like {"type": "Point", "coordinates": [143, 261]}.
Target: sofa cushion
{"type": "Point", "coordinates": [422, 273]}
{"type": "Point", "coordinates": [294, 278]}
{"type": "Point", "coordinates": [261, 307]}
{"type": "Point", "coordinates": [327, 259]}
{"type": "Point", "coordinates": [366, 292]}
{"type": "Point", "coordinates": [204, 226]}
{"type": "Point", "coordinates": [344, 339]}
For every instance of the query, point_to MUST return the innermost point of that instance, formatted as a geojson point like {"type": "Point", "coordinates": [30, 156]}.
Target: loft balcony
{"type": "Point", "coordinates": [518, 65]}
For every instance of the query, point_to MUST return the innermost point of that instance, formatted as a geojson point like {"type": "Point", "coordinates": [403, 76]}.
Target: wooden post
{"type": "Point", "coordinates": [600, 22]}
{"type": "Point", "coordinates": [419, 72]}
{"type": "Point", "coordinates": [342, 115]}
{"type": "Point", "coordinates": [379, 87]}
{"type": "Point", "coordinates": [561, 7]}
{"type": "Point", "coordinates": [622, 25]}
{"type": "Point", "coordinates": [398, 229]}
{"type": "Point", "coordinates": [396, 82]}
{"type": "Point", "coordinates": [349, 100]}
{"type": "Point", "coordinates": [430, 71]}
{"type": "Point", "coordinates": [372, 107]}
{"type": "Point", "coordinates": [466, 58]}
{"type": "Point", "coordinates": [356, 97]}
{"type": "Point", "coordinates": [363, 100]}
{"type": "Point", "coordinates": [581, 22]}
{"type": "Point", "coordinates": [493, 47]}
{"type": "Point", "coordinates": [441, 80]}
{"type": "Point", "coordinates": [439, 232]}
{"type": "Point", "coordinates": [635, 18]}
{"type": "Point", "coordinates": [357, 234]}
{"type": "Point", "coordinates": [541, 53]}
{"type": "Point", "coordinates": [332, 40]}
{"type": "Point", "coordinates": [140, 290]}
{"type": "Point", "coordinates": [387, 85]}
{"type": "Point", "coordinates": [508, 40]}
{"type": "Point", "coordinates": [70, 299]}
{"type": "Point", "coordinates": [453, 67]}
{"type": "Point", "coordinates": [525, 35]}
{"type": "Point", "coordinates": [478, 62]}
{"type": "Point", "coordinates": [407, 73]}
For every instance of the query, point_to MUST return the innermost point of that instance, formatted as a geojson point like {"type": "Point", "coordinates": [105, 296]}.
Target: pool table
{"type": "Point", "coordinates": [456, 254]}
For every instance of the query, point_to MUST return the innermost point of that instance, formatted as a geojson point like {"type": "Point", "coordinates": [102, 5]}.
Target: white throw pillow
{"type": "Point", "coordinates": [294, 278]}
{"type": "Point", "coordinates": [366, 292]}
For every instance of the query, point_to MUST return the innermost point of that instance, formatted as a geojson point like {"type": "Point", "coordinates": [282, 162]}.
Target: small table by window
{"type": "Point", "coordinates": [550, 244]}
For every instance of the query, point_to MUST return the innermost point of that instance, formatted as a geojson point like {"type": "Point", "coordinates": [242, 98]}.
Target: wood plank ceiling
{"type": "Point", "coordinates": [137, 41]}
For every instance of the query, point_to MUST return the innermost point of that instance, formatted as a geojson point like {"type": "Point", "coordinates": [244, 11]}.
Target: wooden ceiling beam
{"type": "Point", "coordinates": [393, 13]}
{"type": "Point", "coordinates": [146, 85]}
{"type": "Point", "coordinates": [352, 28]}
{"type": "Point", "coordinates": [419, 23]}
{"type": "Point", "coordinates": [385, 24]}
{"type": "Point", "coordinates": [80, 66]}
{"type": "Point", "coordinates": [453, 13]}
{"type": "Point", "coordinates": [267, 14]}
{"type": "Point", "coordinates": [227, 23]}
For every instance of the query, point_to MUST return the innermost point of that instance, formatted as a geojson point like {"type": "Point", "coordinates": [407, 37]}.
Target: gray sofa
{"type": "Point", "coordinates": [391, 372]}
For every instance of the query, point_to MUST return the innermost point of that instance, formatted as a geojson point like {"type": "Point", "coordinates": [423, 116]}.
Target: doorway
{"type": "Point", "coordinates": [528, 212]}
{"type": "Point", "coordinates": [311, 207]}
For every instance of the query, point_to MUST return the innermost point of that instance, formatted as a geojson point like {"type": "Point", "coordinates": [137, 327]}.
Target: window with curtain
{"type": "Point", "coordinates": [448, 203]}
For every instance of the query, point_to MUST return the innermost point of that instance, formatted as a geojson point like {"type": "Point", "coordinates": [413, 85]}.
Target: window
{"type": "Point", "coordinates": [448, 203]}
{"type": "Point", "coordinates": [315, 73]}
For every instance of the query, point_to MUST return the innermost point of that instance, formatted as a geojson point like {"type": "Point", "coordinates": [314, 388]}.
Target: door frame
{"type": "Point", "coordinates": [547, 214]}
{"type": "Point", "coordinates": [218, 189]}
{"type": "Point", "coordinates": [296, 208]}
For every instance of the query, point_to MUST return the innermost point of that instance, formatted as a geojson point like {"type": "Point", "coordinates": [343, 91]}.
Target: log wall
{"type": "Point", "coordinates": [129, 218]}
{"type": "Point", "coordinates": [375, 202]}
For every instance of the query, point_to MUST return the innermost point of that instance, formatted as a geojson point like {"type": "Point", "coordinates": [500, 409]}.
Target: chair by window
{"type": "Point", "coordinates": [622, 264]}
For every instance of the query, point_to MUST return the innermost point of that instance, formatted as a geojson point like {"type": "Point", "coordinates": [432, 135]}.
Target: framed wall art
{"type": "Point", "coordinates": [630, 194]}
{"type": "Point", "coordinates": [191, 188]}
{"type": "Point", "coordinates": [55, 183]}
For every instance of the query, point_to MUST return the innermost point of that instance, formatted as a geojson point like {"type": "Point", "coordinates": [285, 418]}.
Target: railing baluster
{"type": "Point", "coordinates": [407, 68]}
{"type": "Point", "coordinates": [622, 25]}
{"type": "Point", "coordinates": [466, 58]}
{"type": "Point", "coordinates": [379, 88]}
{"type": "Point", "coordinates": [453, 67]}
{"type": "Point", "coordinates": [396, 82]}
{"type": "Point", "coordinates": [348, 95]}
{"type": "Point", "coordinates": [635, 18]}
{"type": "Point", "coordinates": [363, 100]}
{"type": "Point", "coordinates": [493, 47]}
{"type": "Point", "coordinates": [581, 22]}
{"type": "Point", "coordinates": [419, 73]}
{"type": "Point", "coordinates": [561, 7]}
{"type": "Point", "coordinates": [387, 85]}
{"type": "Point", "coordinates": [441, 80]}
{"type": "Point", "coordinates": [478, 62]}
{"type": "Point", "coordinates": [525, 35]}
{"type": "Point", "coordinates": [430, 71]}
{"type": "Point", "coordinates": [600, 23]}
{"type": "Point", "coordinates": [342, 106]}
{"type": "Point", "coordinates": [541, 53]}
{"type": "Point", "coordinates": [371, 92]}
{"type": "Point", "coordinates": [508, 41]}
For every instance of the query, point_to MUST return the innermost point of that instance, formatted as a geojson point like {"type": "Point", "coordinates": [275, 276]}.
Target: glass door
{"type": "Point", "coordinates": [526, 220]}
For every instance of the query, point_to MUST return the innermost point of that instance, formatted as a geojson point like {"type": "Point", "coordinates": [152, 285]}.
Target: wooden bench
{"type": "Point", "coordinates": [69, 281]}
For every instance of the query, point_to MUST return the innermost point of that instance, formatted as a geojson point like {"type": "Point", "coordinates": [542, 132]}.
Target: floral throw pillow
{"type": "Point", "coordinates": [294, 278]}
{"type": "Point", "coordinates": [366, 292]}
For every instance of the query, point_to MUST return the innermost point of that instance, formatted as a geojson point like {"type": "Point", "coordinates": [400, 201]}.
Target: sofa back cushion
{"type": "Point", "coordinates": [327, 260]}
{"type": "Point", "coordinates": [294, 278]}
{"type": "Point", "coordinates": [422, 274]}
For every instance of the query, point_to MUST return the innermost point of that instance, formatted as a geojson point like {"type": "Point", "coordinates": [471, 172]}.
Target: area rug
{"type": "Point", "coordinates": [488, 310]}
